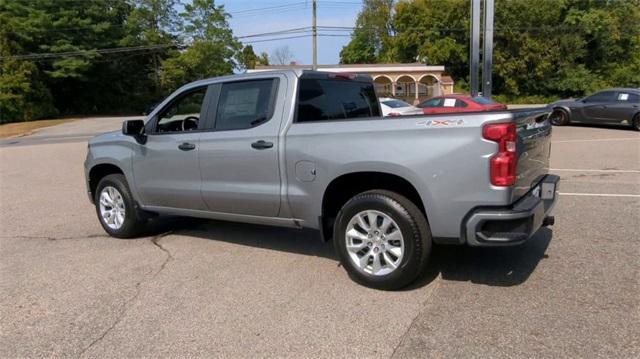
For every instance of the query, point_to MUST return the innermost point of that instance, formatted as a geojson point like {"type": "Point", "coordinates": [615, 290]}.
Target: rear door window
{"type": "Point", "coordinates": [628, 97]}
{"type": "Point", "coordinates": [331, 99]}
{"type": "Point", "coordinates": [460, 103]}
{"type": "Point", "coordinates": [245, 104]}
{"type": "Point", "coordinates": [449, 102]}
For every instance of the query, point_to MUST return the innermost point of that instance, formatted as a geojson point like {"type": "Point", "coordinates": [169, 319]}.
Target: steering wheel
{"type": "Point", "coordinates": [190, 123]}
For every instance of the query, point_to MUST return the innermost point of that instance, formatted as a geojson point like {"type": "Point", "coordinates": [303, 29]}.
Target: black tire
{"type": "Point", "coordinates": [635, 123]}
{"type": "Point", "coordinates": [133, 223]}
{"type": "Point", "coordinates": [412, 225]}
{"type": "Point", "coordinates": [559, 117]}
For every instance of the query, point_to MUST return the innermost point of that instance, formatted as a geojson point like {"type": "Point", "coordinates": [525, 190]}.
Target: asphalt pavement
{"type": "Point", "coordinates": [220, 289]}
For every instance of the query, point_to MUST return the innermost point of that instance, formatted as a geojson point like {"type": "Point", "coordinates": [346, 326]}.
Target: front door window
{"type": "Point", "coordinates": [183, 114]}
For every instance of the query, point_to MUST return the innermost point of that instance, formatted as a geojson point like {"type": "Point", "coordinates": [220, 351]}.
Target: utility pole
{"type": "Point", "coordinates": [314, 32]}
{"type": "Point", "coordinates": [474, 58]}
{"type": "Point", "coordinates": [487, 53]}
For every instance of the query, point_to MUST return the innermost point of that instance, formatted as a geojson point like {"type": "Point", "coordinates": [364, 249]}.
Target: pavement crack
{"type": "Point", "coordinates": [127, 304]}
{"type": "Point", "coordinates": [155, 241]}
{"type": "Point", "coordinates": [425, 303]}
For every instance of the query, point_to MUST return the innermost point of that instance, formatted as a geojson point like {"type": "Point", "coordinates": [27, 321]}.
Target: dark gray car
{"type": "Point", "coordinates": [617, 106]}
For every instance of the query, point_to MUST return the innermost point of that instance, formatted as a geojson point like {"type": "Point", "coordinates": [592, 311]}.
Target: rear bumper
{"type": "Point", "coordinates": [504, 226]}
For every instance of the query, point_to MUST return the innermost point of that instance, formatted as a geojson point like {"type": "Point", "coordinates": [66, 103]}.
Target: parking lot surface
{"type": "Point", "coordinates": [211, 288]}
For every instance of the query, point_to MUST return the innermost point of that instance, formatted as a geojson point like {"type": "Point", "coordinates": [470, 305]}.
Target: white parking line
{"type": "Point", "coordinates": [587, 170]}
{"type": "Point", "coordinates": [599, 140]}
{"type": "Point", "coordinates": [599, 194]}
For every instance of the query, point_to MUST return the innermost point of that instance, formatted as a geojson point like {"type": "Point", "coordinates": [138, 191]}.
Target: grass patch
{"type": "Point", "coordinates": [24, 128]}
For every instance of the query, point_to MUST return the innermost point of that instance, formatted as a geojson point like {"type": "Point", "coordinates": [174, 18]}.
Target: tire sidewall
{"type": "Point", "coordinates": [130, 226]}
{"type": "Point", "coordinates": [411, 260]}
{"type": "Point", "coordinates": [635, 123]}
{"type": "Point", "coordinates": [562, 115]}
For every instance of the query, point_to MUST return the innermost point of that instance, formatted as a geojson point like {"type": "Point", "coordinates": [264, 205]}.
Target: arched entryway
{"type": "Point", "coordinates": [406, 88]}
{"type": "Point", "coordinates": [428, 86]}
{"type": "Point", "coordinates": [384, 86]}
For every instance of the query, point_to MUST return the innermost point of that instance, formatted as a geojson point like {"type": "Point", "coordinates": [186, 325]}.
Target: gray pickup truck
{"type": "Point", "coordinates": [309, 149]}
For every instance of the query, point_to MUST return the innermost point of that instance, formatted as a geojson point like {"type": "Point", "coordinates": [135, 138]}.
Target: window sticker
{"type": "Point", "coordinates": [623, 97]}
{"type": "Point", "coordinates": [449, 102]}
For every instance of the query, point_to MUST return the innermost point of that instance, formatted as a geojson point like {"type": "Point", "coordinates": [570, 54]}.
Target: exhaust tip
{"type": "Point", "coordinates": [549, 221]}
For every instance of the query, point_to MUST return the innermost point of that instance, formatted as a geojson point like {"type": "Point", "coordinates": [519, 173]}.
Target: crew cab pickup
{"type": "Point", "coordinates": [310, 149]}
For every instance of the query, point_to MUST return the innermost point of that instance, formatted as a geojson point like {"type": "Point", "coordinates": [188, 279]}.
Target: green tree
{"type": "Point", "coordinates": [248, 58]}
{"type": "Point", "coordinates": [211, 47]}
{"type": "Point", "coordinates": [372, 36]}
{"type": "Point", "coordinates": [543, 48]}
{"type": "Point", "coordinates": [263, 59]}
{"type": "Point", "coordinates": [436, 31]}
{"type": "Point", "coordinates": [44, 26]}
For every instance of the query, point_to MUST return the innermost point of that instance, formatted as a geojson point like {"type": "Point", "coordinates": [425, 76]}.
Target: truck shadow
{"type": "Point", "coordinates": [498, 266]}
{"type": "Point", "coordinates": [503, 266]}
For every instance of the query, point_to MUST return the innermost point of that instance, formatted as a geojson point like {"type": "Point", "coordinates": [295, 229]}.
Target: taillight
{"type": "Point", "coordinates": [503, 163]}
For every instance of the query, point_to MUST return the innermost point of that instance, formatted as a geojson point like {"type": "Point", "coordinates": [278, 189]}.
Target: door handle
{"type": "Point", "coordinates": [186, 146]}
{"type": "Point", "coordinates": [262, 145]}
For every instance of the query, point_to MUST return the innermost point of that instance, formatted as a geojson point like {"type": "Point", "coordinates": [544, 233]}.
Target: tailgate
{"type": "Point", "coordinates": [534, 148]}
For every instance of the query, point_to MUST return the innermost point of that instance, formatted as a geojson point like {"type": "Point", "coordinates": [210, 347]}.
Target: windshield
{"type": "Point", "coordinates": [483, 100]}
{"type": "Point", "coordinates": [395, 103]}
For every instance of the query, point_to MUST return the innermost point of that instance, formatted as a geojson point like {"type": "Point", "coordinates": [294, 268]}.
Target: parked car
{"type": "Point", "coordinates": [459, 103]}
{"type": "Point", "coordinates": [395, 107]}
{"type": "Point", "coordinates": [308, 149]}
{"type": "Point", "coordinates": [617, 106]}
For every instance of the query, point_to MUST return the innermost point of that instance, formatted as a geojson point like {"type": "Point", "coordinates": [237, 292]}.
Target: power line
{"type": "Point", "coordinates": [51, 55]}
{"type": "Point", "coordinates": [276, 39]}
{"type": "Point", "coordinates": [267, 8]}
{"type": "Point", "coordinates": [285, 31]}
{"type": "Point", "coordinates": [268, 11]}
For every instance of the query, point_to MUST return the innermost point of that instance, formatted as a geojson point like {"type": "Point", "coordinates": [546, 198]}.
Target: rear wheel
{"type": "Point", "coordinates": [116, 209]}
{"type": "Point", "coordinates": [559, 117]}
{"type": "Point", "coordinates": [636, 122]}
{"type": "Point", "coordinates": [382, 239]}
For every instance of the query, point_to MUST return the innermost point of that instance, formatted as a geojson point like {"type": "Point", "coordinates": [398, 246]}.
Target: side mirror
{"type": "Point", "coordinates": [134, 128]}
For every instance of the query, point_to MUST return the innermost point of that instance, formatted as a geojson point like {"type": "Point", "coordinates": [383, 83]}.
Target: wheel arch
{"type": "Point", "coordinates": [98, 172]}
{"type": "Point", "coordinates": [347, 185]}
{"type": "Point", "coordinates": [563, 108]}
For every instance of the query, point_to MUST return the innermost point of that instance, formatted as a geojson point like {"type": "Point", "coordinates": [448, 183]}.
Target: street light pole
{"type": "Point", "coordinates": [474, 56]}
{"type": "Point", "coordinates": [314, 31]}
{"type": "Point", "coordinates": [487, 53]}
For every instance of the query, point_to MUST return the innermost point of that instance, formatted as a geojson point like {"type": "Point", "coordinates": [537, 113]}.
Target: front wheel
{"type": "Point", "coordinates": [559, 117]}
{"type": "Point", "coordinates": [636, 122]}
{"type": "Point", "coordinates": [382, 239]}
{"type": "Point", "coordinates": [116, 209]}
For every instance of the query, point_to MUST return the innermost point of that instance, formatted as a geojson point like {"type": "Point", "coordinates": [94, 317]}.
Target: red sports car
{"type": "Point", "coordinates": [459, 103]}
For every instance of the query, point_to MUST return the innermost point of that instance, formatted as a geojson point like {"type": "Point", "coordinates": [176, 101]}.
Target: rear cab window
{"type": "Point", "coordinates": [334, 98]}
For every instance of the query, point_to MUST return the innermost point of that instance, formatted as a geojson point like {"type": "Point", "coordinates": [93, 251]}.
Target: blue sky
{"type": "Point", "coordinates": [288, 14]}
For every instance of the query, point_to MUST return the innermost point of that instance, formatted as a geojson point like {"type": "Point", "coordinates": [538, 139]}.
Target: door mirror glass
{"type": "Point", "coordinates": [132, 127]}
